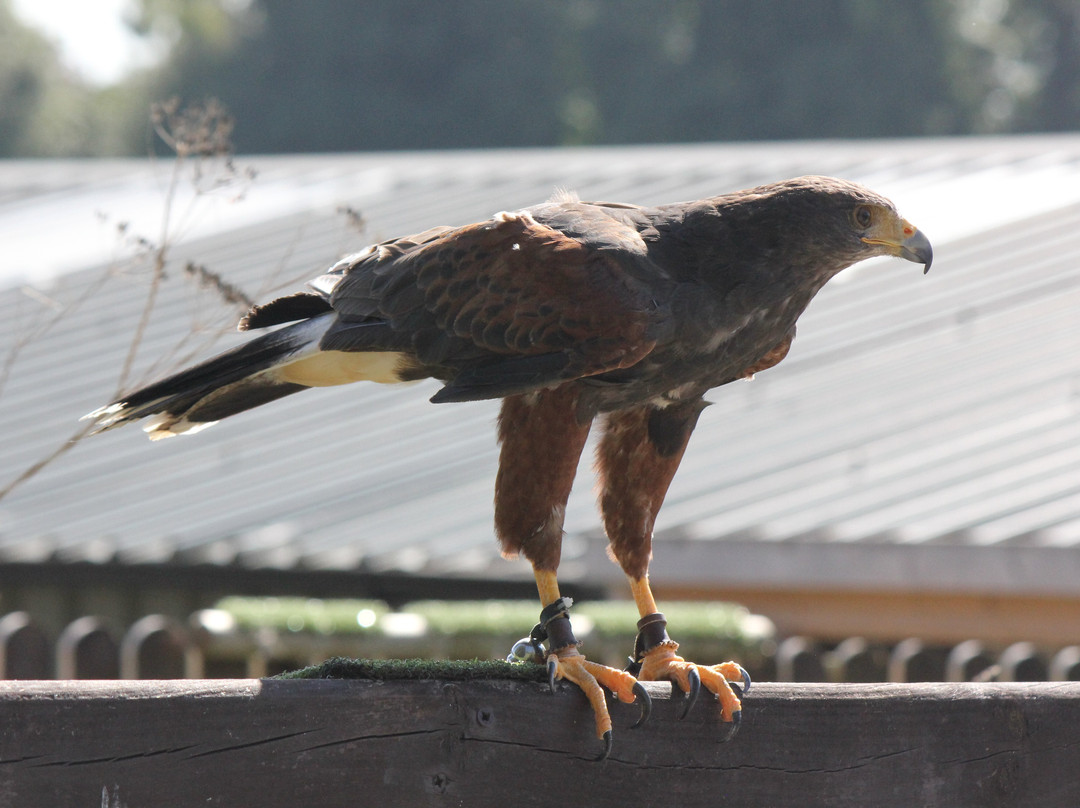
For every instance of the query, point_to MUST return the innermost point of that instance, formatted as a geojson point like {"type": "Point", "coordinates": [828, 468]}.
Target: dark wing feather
{"type": "Point", "coordinates": [288, 309]}
{"type": "Point", "coordinates": [504, 377]}
{"type": "Point", "coordinates": [476, 300]}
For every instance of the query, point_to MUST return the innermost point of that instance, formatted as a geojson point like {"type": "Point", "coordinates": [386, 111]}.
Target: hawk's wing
{"type": "Point", "coordinates": [507, 305]}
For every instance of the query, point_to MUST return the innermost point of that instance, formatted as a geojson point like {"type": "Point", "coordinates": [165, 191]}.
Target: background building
{"type": "Point", "coordinates": [911, 470]}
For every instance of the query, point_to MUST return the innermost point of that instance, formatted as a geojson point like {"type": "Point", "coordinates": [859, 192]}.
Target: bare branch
{"type": "Point", "coordinates": [35, 468]}
{"type": "Point", "coordinates": [206, 279]}
{"type": "Point", "coordinates": [158, 276]}
{"type": "Point", "coordinates": [195, 133]}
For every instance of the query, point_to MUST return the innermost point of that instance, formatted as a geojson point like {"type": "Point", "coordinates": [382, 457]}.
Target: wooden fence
{"type": "Point", "coordinates": [160, 647]}
{"type": "Point", "coordinates": [352, 743]}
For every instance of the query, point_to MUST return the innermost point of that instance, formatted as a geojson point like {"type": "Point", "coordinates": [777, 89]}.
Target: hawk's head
{"type": "Point", "coordinates": [848, 220]}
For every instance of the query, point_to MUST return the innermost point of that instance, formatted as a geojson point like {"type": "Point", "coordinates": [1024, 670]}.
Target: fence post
{"type": "Point", "coordinates": [155, 647]}
{"type": "Point", "coordinates": [798, 660]}
{"type": "Point", "coordinates": [966, 661]}
{"type": "Point", "coordinates": [853, 660]}
{"type": "Point", "coordinates": [912, 661]}
{"type": "Point", "coordinates": [1065, 666]}
{"type": "Point", "coordinates": [1021, 662]}
{"type": "Point", "coordinates": [86, 650]}
{"type": "Point", "coordinates": [24, 648]}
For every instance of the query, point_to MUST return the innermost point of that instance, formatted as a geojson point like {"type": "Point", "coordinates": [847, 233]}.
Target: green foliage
{"type": "Point", "coordinates": [337, 75]}
{"type": "Point", "coordinates": [304, 614]}
{"type": "Point", "coordinates": [449, 637]}
{"type": "Point", "coordinates": [46, 111]}
{"type": "Point", "coordinates": [688, 619]}
{"type": "Point", "coordinates": [511, 618]}
{"type": "Point", "coordinates": [340, 75]}
{"type": "Point", "coordinates": [31, 88]}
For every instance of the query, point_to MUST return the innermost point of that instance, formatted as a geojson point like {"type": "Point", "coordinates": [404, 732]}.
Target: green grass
{"type": "Point", "coordinates": [690, 620]}
{"type": "Point", "coordinates": [455, 636]}
{"type": "Point", "coordinates": [305, 614]}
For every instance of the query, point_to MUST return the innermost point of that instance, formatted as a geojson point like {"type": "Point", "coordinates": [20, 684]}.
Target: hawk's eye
{"type": "Point", "coordinates": [863, 216]}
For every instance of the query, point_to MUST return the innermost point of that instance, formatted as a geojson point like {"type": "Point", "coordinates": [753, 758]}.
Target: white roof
{"type": "Point", "coordinates": [921, 430]}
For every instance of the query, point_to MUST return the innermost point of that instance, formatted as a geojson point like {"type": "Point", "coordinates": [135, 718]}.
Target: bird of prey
{"type": "Point", "coordinates": [573, 313]}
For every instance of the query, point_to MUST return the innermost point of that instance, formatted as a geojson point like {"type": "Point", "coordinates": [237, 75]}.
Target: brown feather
{"type": "Point", "coordinates": [636, 459]}
{"type": "Point", "coordinates": [508, 287]}
{"type": "Point", "coordinates": [288, 309]}
{"type": "Point", "coordinates": [566, 310]}
{"type": "Point", "coordinates": [541, 443]}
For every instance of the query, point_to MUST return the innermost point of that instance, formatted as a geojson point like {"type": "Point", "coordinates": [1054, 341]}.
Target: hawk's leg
{"type": "Point", "coordinates": [566, 662]}
{"type": "Point", "coordinates": [637, 458]}
{"type": "Point", "coordinates": [542, 437]}
{"type": "Point", "coordinates": [656, 658]}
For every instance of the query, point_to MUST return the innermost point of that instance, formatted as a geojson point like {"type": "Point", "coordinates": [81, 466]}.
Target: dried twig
{"type": "Point", "coordinates": [195, 133]}
{"type": "Point", "coordinates": [353, 217]}
{"type": "Point", "coordinates": [156, 278]}
{"type": "Point", "coordinates": [28, 335]}
{"type": "Point", "coordinates": [206, 279]}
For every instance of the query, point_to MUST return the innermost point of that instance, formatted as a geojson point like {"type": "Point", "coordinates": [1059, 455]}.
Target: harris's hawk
{"type": "Point", "coordinates": [572, 313]}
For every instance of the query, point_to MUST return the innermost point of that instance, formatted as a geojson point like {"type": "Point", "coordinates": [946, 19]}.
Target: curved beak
{"type": "Point", "coordinates": [916, 247]}
{"type": "Point", "coordinates": [909, 243]}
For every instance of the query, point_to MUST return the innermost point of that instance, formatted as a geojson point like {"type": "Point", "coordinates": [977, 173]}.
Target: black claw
{"type": "Point", "coordinates": [642, 695]}
{"type": "Point", "coordinates": [745, 678]}
{"type": "Point", "coordinates": [740, 689]}
{"type": "Point", "coordinates": [691, 696]}
{"type": "Point", "coordinates": [736, 722]}
{"type": "Point", "coordinates": [607, 747]}
{"type": "Point", "coordinates": [552, 668]}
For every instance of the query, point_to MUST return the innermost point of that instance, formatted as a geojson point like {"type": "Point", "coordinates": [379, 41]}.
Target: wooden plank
{"type": "Point", "coordinates": [498, 743]}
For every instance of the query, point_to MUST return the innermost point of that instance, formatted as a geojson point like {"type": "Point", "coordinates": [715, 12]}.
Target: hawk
{"type": "Point", "coordinates": [575, 314]}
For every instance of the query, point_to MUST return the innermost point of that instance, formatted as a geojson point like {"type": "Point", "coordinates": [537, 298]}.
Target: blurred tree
{"type": "Point", "coordinates": [340, 75]}
{"type": "Point", "coordinates": [1057, 106]}
{"type": "Point", "coordinates": [772, 69]}
{"type": "Point", "coordinates": [1029, 63]}
{"type": "Point", "coordinates": [28, 70]}
{"type": "Point", "coordinates": [45, 110]}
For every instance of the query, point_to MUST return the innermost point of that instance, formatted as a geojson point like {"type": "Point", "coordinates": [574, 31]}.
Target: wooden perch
{"type": "Point", "coordinates": [500, 743]}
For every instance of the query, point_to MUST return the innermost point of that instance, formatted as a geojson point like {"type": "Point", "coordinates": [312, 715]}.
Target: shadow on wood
{"type": "Point", "coordinates": [498, 743]}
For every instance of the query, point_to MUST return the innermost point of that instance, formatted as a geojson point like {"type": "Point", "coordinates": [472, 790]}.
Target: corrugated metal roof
{"type": "Point", "coordinates": [922, 429]}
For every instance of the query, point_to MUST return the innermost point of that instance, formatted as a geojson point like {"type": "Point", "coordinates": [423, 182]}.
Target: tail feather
{"type": "Point", "coordinates": [224, 385]}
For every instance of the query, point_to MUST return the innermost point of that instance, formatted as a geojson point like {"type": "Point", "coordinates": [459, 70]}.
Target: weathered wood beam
{"type": "Point", "coordinates": [499, 743]}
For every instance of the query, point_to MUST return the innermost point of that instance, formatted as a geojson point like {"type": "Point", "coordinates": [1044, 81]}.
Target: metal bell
{"type": "Point", "coordinates": [525, 650]}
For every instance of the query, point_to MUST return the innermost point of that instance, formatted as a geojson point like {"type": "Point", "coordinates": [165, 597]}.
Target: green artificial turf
{"type": "Point", "coordinates": [427, 633]}
{"type": "Point", "coordinates": [455, 670]}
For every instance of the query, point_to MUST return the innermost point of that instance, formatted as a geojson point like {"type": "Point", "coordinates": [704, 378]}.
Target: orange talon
{"type": "Point", "coordinates": [592, 678]}
{"type": "Point", "coordinates": [574, 669]}
{"type": "Point", "coordinates": [655, 659]}
{"type": "Point", "coordinates": [564, 661]}
{"type": "Point", "coordinates": [662, 663]}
